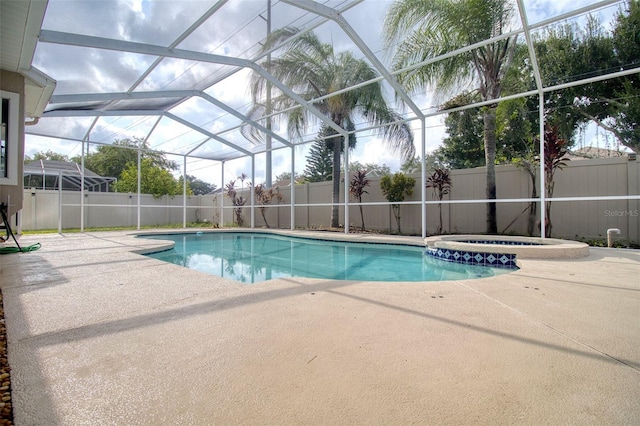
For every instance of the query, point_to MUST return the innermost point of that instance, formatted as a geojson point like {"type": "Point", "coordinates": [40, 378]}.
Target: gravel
{"type": "Point", "coordinates": [6, 409]}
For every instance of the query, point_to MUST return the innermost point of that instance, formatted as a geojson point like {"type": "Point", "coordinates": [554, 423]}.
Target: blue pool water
{"type": "Point", "coordinates": [256, 257]}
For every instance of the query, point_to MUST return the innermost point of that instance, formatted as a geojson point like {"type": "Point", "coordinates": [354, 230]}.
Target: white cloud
{"type": "Point", "coordinates": [539, 10]}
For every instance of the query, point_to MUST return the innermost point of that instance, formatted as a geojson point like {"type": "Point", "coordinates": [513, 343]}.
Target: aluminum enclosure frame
{"type": "Point", "coordinates": [171, 51]}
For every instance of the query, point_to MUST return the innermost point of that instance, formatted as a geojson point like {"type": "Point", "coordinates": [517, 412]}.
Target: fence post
{"type": "Point", "coordinates": [633, 188]}
{"type": "Point", "coordinates": [184, 192]}
{"type": "Point", "coordinates": [59, 201]}
{"type": "Point", "coordinates": [292, 190]}
{"type": "Point", "coordinates": [222, 195]}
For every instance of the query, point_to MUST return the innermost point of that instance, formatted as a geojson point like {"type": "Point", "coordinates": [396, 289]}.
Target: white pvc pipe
{"type": "Point", "coordinates": [138, 190]}
{"type": "Point", "coordinates": [346, 184]}
{"type": "Point", "coordinates": [59, 201]}
{"type": "Point", "coordinates": [184, 192]}
{"type": "Point", "coordinates": [293, 189]}
{"type": "Point", "coordinates": [423, 177]}
{"type": "Point", "coordinates": [610, 233]}
{"type": "Point", "coordinates": [543, 187]}
{"type": "Point", "coordinates": [252, 192]}
{"type": "Point", "coordinates": [222, 195]}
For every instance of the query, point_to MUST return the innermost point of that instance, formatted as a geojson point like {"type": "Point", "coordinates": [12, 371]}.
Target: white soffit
{"type": "Point", "coordinates": [20, 23]}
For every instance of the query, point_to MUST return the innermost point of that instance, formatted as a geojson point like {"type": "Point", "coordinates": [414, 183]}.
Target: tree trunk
{"type": "Point", "coordinates": [532, 208]}
{"type": "Point", "coordinates": [489, 116]}
{"type": "Point", "coordinates": [335, 209]}
{"type": "Point", "coordinates": [550, 184]}
{"type": "Point", "coordinates": [396, 214]}
{"type": "Point", "coordinates": [547, 222]}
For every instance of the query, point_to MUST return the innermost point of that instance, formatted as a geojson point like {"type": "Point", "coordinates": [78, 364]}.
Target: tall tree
{"type": "Point", "coordinates": [111, 160]}
{"type": "Point", "coordinates": [200, 187]}
{"type": "Point", "coordinates": [319, 163]}
{"type": "Point", "coordinates": [372, 169]}
{"type": "Point", "coordinates": [463, 146]}
{"type": "Point", "coordinates": [154, 180]}
{"type": "Point", "coordinates": [46, 155]}
{"type": "Point", "coordinates": [412, 165]}
{"type": "Point", "coordinates": [429, 28]}
{"type": "Point", "coordinates": [312, 69]}
{"type": "Point", "coordinates": [569, 52]}
{"type": "Point", "coordinates": [624, 95]}
{"type": "Point", "coordinates": [284, 179]}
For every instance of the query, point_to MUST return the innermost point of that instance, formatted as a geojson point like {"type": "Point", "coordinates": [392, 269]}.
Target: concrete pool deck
{"type": "Point", "coordinates": [100, 335]}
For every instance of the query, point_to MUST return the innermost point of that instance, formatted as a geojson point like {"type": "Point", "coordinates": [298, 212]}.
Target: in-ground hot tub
{"type": "Point", "coordinates": [501, 251]}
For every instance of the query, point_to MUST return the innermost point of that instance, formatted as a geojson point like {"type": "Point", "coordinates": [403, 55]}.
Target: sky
{"type": "Point", "coordinates": [234, 30]}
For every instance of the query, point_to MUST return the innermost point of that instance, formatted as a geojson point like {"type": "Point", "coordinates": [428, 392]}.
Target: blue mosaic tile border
{"type": "Point", "coordinates": [494, 260]}
{"type": "Point", "coordinates": [500, 242]}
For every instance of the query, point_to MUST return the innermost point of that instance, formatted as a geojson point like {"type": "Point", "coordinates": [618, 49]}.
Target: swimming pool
{"type": "Point", "coordinates": [256, 257]}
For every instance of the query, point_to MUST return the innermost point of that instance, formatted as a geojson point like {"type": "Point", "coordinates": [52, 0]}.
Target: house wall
{"type": "Point", "coordinates": [12, 195]}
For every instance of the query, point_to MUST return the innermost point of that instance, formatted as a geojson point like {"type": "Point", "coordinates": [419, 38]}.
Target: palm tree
{"type": "Point", "coordinates": [312, 70]}
{"type": "Point", "coordinates": [428, 28]}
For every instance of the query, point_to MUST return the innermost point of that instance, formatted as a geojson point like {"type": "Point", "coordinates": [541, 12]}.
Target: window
{"type": "Point", "coordinates": [9, 138]}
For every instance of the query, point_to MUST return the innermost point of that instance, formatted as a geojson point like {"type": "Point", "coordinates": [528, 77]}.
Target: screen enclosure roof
{"type": "Point", "coordinates": [176, 73]}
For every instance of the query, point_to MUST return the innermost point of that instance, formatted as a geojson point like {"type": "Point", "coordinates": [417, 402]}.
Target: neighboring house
{"type": "Point", "coordinates": [588, 152]}
{"type": "Point", "coordinates": [47, 174]}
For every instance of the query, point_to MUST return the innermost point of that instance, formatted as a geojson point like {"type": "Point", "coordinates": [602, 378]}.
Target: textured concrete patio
{"type": "Point", "coordinates": [101, 335]}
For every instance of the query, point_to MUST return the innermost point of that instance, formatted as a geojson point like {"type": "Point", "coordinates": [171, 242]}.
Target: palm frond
{"type": "Point", "coordinates": [424, 29]}
{"type": "Point", "coordinates": [250, 132]}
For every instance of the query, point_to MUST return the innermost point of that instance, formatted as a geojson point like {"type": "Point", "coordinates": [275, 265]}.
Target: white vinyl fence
{"type": "Point", "coordinates": [590, 197]}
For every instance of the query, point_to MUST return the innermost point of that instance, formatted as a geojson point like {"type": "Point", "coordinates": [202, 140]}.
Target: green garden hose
{"type": "Point", "coordinates": [8, 250]}
{"type": "Point", "coordinates": [7, 226]}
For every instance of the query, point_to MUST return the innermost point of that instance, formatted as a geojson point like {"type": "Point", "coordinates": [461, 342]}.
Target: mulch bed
{"type": "Point", "coordinates": [6, 409]}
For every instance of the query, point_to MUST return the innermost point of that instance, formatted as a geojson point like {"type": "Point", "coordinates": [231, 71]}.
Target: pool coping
{"type": "Point", "coordinates": [162, 245]}
{"type": "Point", "coordinates": [92, 326]}
{"type": "Point", "coordinates": [531, 248]}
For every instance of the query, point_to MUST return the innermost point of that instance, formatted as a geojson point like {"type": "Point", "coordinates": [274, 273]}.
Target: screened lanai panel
{"type": "Point", "coordinates": [538, 12]}
{"type": "Point", "coordinates": [172, 136]}
{"type": "Point", "coordinates": [156, 104]}
{"type": "Point", "coordinates": [75, 128]}
{"type": "Point", "coordinates": [238, 28]}
{"type": "Point", "coordinates": [363, 21]}
{"type": "Point", "coordinates": [215, 150]}
{"type": "Point", "coordinates": [200, 111]}
{"type": "Point", "coordinates": [233, 90]}
{"type": "Point", "coordinates": [181, 74]}
{"type": "Point", "coordinates": [206, 115]}
{"type": "Point", "coordinates": [109, 129]}
{"type": "Point", "coordinates": [92, 70]}
{"type": "Point", "coordinates": [234, 30]}
{"type": "Point", "coordinates": [153, 22]}
{"type": "Point", "coordinates": [587, 39]}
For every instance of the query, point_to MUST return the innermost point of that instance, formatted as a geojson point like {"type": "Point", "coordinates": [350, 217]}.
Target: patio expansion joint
{"type": "Point", "coordinates": [550, 327]}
